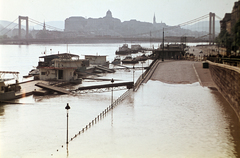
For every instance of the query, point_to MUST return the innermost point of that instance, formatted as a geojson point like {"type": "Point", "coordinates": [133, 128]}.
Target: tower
{"type": "Point", "coordinates": [109, 14]}
{"type": "Point", "coordinates": [211, 28]}
{"type": "Point", "coordinates": [19, 26]}
{"type": "Point", "coordinates": [154, 19]}
{"type": "Point", "coordinates": [44, 26]}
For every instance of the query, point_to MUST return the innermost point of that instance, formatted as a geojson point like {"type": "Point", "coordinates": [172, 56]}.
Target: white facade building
{"type": "Point", "coordinates": [61, 67]}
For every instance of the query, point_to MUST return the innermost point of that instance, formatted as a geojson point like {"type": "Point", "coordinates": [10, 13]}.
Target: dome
{"type": "Point", "coordinates": [109, 13]}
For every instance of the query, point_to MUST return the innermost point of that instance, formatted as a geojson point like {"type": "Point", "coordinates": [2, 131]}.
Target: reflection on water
{"type": "Point", "coordinates": [159, 120]}
{"type": "Point", "coordinates": [1, 110]}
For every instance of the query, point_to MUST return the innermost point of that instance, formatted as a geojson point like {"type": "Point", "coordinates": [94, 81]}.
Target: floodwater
{"type": "Point", "coordinates": [159, 120]}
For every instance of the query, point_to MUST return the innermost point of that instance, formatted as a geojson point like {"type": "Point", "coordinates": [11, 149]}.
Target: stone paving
{"type": "Point", "coordinates": [182, 72]}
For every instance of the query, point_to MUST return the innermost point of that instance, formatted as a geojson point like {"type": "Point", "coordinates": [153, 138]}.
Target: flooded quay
{"type": "Point", "coordinates": [159, 120]}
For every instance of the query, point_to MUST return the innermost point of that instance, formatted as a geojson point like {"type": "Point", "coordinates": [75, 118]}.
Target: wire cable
{"type": "Point", "coordinates": [8, 25]}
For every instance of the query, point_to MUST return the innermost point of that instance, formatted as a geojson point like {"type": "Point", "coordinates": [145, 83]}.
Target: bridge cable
{"type": "Point", "coordinates": [10, 29]}
{"type": "Point", "coordinates": [218, 17]}
{"type": "Point", "coordinates": [41, 24]}
{"type": "Point", "coordinates": [8, 25]}
{"type": "Point", "coordinates": [175, 26]}
{"type": "Point", "coordinates": [194, 20]}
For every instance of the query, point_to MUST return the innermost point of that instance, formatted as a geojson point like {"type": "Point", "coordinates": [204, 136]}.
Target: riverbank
{"type": "Point", "coordinates": [182, 72]}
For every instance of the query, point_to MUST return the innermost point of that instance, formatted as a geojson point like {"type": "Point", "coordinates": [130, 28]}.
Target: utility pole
{"type": "Point", "coordinates": [163, 46]}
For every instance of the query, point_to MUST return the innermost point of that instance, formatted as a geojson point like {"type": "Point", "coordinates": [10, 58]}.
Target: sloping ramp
{"type": "Point", "coordinates": [129, 85]}
{"type": "Point", "coordinates": [105, 69]}
{"type": "Point", "coordinates": [53, 88]}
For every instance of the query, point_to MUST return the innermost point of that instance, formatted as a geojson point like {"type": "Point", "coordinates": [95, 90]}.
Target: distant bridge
{"type": "Point", "coordinates": [96, 40]}
{"type": "Point", "coordinates": [152, 36]}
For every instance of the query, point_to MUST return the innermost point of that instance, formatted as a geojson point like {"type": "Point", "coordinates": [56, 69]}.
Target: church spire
{"type": "Point", "coordinates": [154, 19]}
{"type": "Point", "coordinates": [44, 26]}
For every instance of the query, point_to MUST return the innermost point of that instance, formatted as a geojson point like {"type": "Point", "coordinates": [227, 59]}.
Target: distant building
{"type": "Point", "coordinates": [93, 27]}
{"type": "Point", "coordinates": [226, 23]}
{"type": "Point", "coordinates": [154, 19]}
{"type": "Point", "coordinates": [230, 19]}
{"type": "Point", "coordinates": [108, 26]}
{"type": "Point", "coordinates": [235, 16]}
{"type": "Point", "coordinates": [47, 34]}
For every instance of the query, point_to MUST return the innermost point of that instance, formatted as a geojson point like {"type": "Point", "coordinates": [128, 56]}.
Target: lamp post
{"type": "Point", "coordinates": [133, 73]}
{"type": "Point", "coordinates": [163, 47]}
{"type": "Point", "coordinates": [133, 76]}
{"type": "Point", "coordinates": [112, 94]}
{"type": "Point", "coordinates": [142, 69]}
{"type": "Point", "coordinates": [67, 108]}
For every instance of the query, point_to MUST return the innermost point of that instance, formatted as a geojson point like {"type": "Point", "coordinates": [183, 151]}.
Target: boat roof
{"type": "Point", "coordinates": [61, 55]}
{"type": "Point", "coordinates": [95, 55]}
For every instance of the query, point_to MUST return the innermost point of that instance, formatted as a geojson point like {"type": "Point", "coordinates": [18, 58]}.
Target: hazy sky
{"type": "Point", "coordinates": [171, 12]}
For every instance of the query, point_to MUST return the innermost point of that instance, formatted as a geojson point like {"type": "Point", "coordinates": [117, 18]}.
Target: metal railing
{"type": "Point", "coordinates": [142, 77]}
{"type": "Point", "coordinates": [103, 113]}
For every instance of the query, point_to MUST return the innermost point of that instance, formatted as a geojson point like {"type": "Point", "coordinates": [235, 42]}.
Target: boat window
{"type": "Point", "coordinates": [43, 73]}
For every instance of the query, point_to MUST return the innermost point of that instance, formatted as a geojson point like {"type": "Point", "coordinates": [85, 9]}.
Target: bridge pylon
{"type": "Point", "coordinates": [19, 26]}
{"type": "Point", "coordinates": [211, 28]}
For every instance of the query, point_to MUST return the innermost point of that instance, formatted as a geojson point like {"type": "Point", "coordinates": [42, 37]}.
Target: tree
{"type": "Point", "coordinates": [236, 36]}
{"type": "Point", "coordinates": [4, 37]}
{"type": "Point", "coordinates": [223, 38]}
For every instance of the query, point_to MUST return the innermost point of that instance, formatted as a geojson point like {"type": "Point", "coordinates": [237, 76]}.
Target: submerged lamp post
{"type": "Point", "coordinates": [133, 76]}
{"type": "Point", "coordinates": [112, 94]}
{"type": "Point", "coordinates": [142, 69]}
{"type": "Point", "coordinates": [67, 108]}
{"type": "Point", "coordinates": [133, 73]}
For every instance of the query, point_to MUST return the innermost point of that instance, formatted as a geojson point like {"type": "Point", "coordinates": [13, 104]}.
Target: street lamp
{"type": "Point", "coordinates": [133, 73]}
{"type": "Point", "coordinates": [67, 108]}
{"type": "Point", "coordinates": [112, 94]}
{"type": "Point", "coordinates": [133, 76]}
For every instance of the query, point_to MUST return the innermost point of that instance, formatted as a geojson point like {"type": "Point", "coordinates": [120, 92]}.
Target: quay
{"type": "Point", "coordinates": [217, 77]}
{"type": "Point", "coordinates": [27, 88]}
{"type": "Point", "coordinates": [129, 85]}
{"type": "Point", "coordinates": [52, 88]}
{"type": "Point", "coordinates": [182, 72]}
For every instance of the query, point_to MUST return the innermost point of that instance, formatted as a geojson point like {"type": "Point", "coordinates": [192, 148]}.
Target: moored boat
{"type": "Point", "coordinates": [116, 61]}
{"type": "Point", "coordinates": [129, 60]}
{"type": "Point", "coordinates": [124, 50]}
{"type": "Point", "coordinates": [142, 58]}
{"type": "Point", "coordinates": [33, 72]}
{"type": "Point", "coordinates": [7, 92]}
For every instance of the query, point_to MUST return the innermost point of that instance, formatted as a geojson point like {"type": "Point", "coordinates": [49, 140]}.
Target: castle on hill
{"type": "Point", "coordinates": [109, 26]}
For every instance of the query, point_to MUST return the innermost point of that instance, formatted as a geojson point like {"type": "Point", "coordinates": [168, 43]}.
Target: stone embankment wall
{"type": "Point", "coordinates": [227, 79]}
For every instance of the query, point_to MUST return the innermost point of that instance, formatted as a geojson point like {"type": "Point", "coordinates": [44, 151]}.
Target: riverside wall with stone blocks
{"type": "Point", "coordinates": [227, 79]}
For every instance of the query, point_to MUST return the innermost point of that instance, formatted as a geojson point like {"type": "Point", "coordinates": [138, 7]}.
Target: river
{"type": "Point", "coordinates": [159, 120]}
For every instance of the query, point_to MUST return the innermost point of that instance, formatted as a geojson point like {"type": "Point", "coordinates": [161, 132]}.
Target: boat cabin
{"type": "Point", "coordinates": [97, 60]}
{"type": "Point", "coordinates": [61, 67]}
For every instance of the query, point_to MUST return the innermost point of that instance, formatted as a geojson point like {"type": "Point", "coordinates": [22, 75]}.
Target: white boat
{"type": "Point", "coordinates": [8, 92]}
{"type": "Point", "coordinates": [33, 72]}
